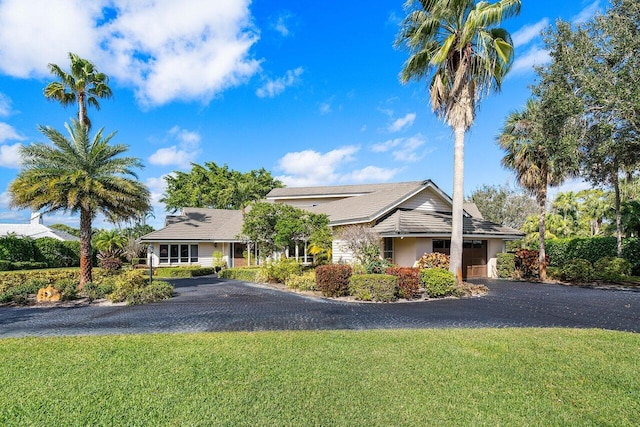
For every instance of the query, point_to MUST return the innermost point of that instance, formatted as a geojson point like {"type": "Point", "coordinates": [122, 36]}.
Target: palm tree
{"type": "Point", "coordinates": [529, 157]}
{"type": "Point", "coordinates": [79, 174]}
{"type": "Point", "coordinates": [83, 85]}
{"type": "Point", "coordinates": [110, 242]}
{"type": "Point", "coordinates": [456, 41]}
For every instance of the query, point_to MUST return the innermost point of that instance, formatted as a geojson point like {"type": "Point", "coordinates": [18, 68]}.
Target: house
{"type": "Point", "coordinates": [413, 218]}
{"type": "Point", "coordinates": [35, 230]}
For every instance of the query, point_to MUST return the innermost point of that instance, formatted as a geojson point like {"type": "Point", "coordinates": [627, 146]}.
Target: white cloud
{"type": "Point", "coordinates": [402, 122]}
{"type": "Point", "coordinates": [281, 25]}
{"type": "Point", "coordinates": [5, 105]}
{"type": "Point", "coordinates": [587, 13]}
{"type": "Point", "coordinates": [7, 133]}
{"type": "Point", "coordinates": [187, 50]}
{"type": "Point", "coordinates": [181, 154]}
{"type": "Point", "coordinates": [370, 174]}
{"type": "Point", "coordinates": [10, 156]}
{"type": "Point", "coordinates": [403, 149]}
{"type": "Point", "coordinates": [529, 32]}
{"type": "Point", "coordinates": [309, 167]}
{"type": "Point", "coordinates": [325, 108]}
{"type": "Point", "coordinates": [272, 88]}
{"type": "Point", "coordinates": [533, 57]}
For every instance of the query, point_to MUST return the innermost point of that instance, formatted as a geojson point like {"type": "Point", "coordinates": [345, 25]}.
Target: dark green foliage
{"type": "Point", "coordinates": [27, 265]}
{"type": "Point", "coordinates": [375, 264]}
{"type": "Point", "coordinates": [279, 271]}
{"type": "Point", "coordinates": [243, 274]}
{"type": "Point", "coordinates": [503, 205]}
{"type": "Point", "coordinates": [14, 248]}
{"type": "Point", "coordinates": [110, 263]}
{"type": "Point", "coordinates": [408, 281]}
{"type": "Point", "coordinates": [156, 291]}
{"type": "Point", "coordinates": [376, 287]}
{"type": "Point", "coordinates": [527, 263]}
{"type": "Point", "coordinates": [592, 249]}
{"type": "Point", "coordinates": [333, 279]}
{"type": "Point", "coordinates": [577, 270]}
{"type": "Point", "coordinates": [134, 288]}
{"type": "Point", "coordinates": [5, 265]}
{"type": "Point", "coordinates": [505, 265]}
{"type": "Point", "coordinates": [95, 291]}
{"type": "Point", "coordinates": [57, 253]}
{"type": "Point", "coordinates": [437, 282]}
{"type": "Point", "coordinates": [611, 268]}
{"type": "Point", "coordinates": [196, 271]}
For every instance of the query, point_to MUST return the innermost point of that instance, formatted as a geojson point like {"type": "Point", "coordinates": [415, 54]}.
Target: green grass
{"type": "Point", "coordinates": [351, 378]}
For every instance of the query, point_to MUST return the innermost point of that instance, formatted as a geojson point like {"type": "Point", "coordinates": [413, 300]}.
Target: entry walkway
{"type": "Point", "coordinates": [212, 304]}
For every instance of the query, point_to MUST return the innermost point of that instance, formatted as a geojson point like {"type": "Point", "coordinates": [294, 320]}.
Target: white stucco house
{"type": "Point", "coordinates": [413, 218]}
{"type": "Point", "coordinates": [35, 229]}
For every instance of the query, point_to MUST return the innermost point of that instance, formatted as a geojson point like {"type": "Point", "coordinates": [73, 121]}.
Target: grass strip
{"type": "Point", "coordinates": [352, 378]}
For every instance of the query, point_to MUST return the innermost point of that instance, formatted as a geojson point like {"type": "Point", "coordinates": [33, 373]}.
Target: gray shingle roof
{"type": "Point", "coordinates": [429, 223]}
{"type": "Point", "coordinates": [289, 192]}
{"type": "Point", "coordinates": [200, 224]}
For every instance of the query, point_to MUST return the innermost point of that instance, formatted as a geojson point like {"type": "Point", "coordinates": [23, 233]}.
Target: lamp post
{"type": "Point", "coordinates": [150, 257]}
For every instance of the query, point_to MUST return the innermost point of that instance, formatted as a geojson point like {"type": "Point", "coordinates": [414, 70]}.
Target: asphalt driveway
{"type": "Point", "coordinates": [212, 304]}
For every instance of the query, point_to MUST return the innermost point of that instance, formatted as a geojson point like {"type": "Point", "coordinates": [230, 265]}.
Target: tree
{"type": "Point", "coordinates": [502, 205]}
{"type": "Point", "coordinates": [218, 187]}
{"type": "Point", "coordinates": [457, 42]}
{"type": "Point", "coordinates": [538, 154]}
{"type": "Point", "coordinates": [84, 85]}
{"type": "Point", "coordinates": [110, 242]}
{"type": "Point", "coordinates": [79, 174]}
{"type": "Point", "coordinates": [66, 229]}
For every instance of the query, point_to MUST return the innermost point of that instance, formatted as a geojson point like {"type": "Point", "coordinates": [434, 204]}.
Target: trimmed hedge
{"type": "Point", "coordinates": [437, 282]}
{"type": "Point", "coordinates": [577, 270]}
{"type": "Point", "coordinates": [333, 279]}
{"type": "Point", "coordinates": [376, 287]}
{"type": "Point", "coordinates": [592, 249]}
{"type": "Point", "coordinates": [612, 268]}
{"type": "Point", "coordinates": [279, 271]}
{"type": "Point", "coordinates": [506, 265]}
{"type": "Point", "coordinates": [182, 272]}
{"type": "Point", "coordinates": [247, 274]}
{"type": "Point", "coordinates": [304, 282]}
{"type": "Point", "coordinates": [408, 281]}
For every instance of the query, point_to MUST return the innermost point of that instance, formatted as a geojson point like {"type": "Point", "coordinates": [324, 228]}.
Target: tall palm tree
{"type": "Point", "coordinates": [80, 174]}
{"type": "Point", "coordinates": [457, 42]}
{"type": "Point", "coordinates": [84, 85]}
{"type": "Point", "coordinates": [529, 157]}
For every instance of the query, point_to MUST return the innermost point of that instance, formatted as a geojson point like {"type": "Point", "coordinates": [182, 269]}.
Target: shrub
{"type": "Point", "coordinates": [437, 282]}
{"type": "Point", "coordinates": [376, 287]}
{"type": "Point", "coordinates": [14, 248]}
{"type": "Point", "coordinates": [554, 273]}
{"type": "Point", "coordinates": [28, 265]}
{"type": "Point", "coordinates": [110, 263]}
{"type": "Point", "coordinates": [465, 289]}
{"type": "Point", "coordinates": [304, 282]}
{"type": "Point", "coordinates": [333, 279]}
{"type": "Point", "coordinates": [156, 291]}
{"type": "Point", "coordinates": [408, 281]}
{"type": "Point", "coordinates": [433, 260]}
{"type": "Point", "coordinates": [95, 291]}
{"type": "Point", "coordinates": [244, 274]}
{"type": "Point", "coordinates": [611, 268]}
{"type": "Point", "coordinates": [376, 265]}
{"type": "Point", "coordinates": [68, 288]}
{"type": "Point", "coordinates": [5, 265]}
{"type": "Point", "coordinates": [134, 288]}
{"type": "Point", "coordinates": [183, 272]}
{"type": "Point", "coordinates": [592, 249]}
{"type": "Point", "coordinates": [279, 271]}
{"type": "Point", "coordinates": [527, 263]}
{"type": "Point", "coordinates": [19, 293]}
{"type": "Point", "coordinates": [577, 270]}
{"type": "Point", "coordinates": [505, 265]}
{"type": "Point", "coordinates": [56, 253]}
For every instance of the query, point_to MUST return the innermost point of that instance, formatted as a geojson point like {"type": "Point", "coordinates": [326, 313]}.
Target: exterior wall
{"type": "Point", "coordinates": [494, 247]}
{"type": "Point", "coordinates": [423, 246]}
{"type": "Point", "coordinates": [205, 254]}
{"type": "Point", "coordinates": [404, 251]}
{"type": "Point", "coordinates": [427, 200]}
{"type": "Point", "coordinates": [340, 252]}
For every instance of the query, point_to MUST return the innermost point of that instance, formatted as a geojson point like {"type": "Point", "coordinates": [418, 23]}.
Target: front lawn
{"type": "Point", "coordinates": [355, 378]}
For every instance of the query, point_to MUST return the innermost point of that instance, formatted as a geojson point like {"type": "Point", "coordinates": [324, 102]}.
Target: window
{"type": "Point", "coordinates": [441, 244]}
{"type": "Point", "coordinates": [184, 253]}
{"type": "Point", "coordinates": [194, 253]}
{"type": "Point", "coordinates": [388, 248]}
{"type": "Point", "coordinates": [164, 254]}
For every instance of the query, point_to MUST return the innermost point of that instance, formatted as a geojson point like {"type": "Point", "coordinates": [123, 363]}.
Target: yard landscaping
{"type": "Point", "coordinates": [405, 377]}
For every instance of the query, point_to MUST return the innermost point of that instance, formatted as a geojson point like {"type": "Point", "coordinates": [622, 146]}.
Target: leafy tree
{"type": "Point", "coordinates": [502, 205]}
{"type": "Point", "coordinates": [110, 242]}
{"type": "Point", "coordinates": [364, 243]}
{"type": "Point", "coordinates": [320, 245]}
{"type": "Point", "coordinates": [79, 174]}
{"type": "Point", "coordinates": [218, 187]}
{"type": "Point", "coordinates": [593, 207]}
{"type": "Point", "coordinates": [66, 229]}
{"type": "Point", "coordinates": [83, 85]}
{"type": "Point", "coordinates": [459, 45]}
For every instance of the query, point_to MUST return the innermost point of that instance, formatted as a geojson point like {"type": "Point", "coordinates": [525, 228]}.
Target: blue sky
{"type": "Point", "coordinates": [309, 92]}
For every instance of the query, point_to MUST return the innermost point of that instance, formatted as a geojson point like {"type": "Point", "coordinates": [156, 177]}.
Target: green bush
{"type": "Point", "coordinates": [304, 282]}
{"type": "Point", "coordinates": [408, 281]}
{"type": "Point", "coordinates": [437, 282]}
{"type": "Point", "coordinates": [333, 279]}
{"type": "Point", "coordinates": [14, 248]}
{"type": "Point", "coordinates": [611, 268]}
{"type": "Point", "coordinates": [592, 249]}
{"type": "Point", "coordinates": [95, 291]}
{"type": "Point", "coordinates": [245, 274]}
{"type": "Point", "coordinates": [577, 270]}
{"type": "Point", "coordinates": [5, 265]}
{"type": "Point", "coordinates": [156, 291]}
{"type": "Point", "coordinates": [28, 265]}
{"type": "Point", "coordinates": [134, 288]}
{"type": "Point", "coordinates": [376, 287]}
{"type": "Point", "coordinates": [68, 288]}
{"type": "Point", "coordinates": [182, 272]}
{"type": "Point", "coordinates": [505, 265]}
{"type": "Point", "coordinates": [19, 293]}
{"type": "Point", "coordinates": [554, 273]}
{"type": "Point", "coordinates": [57, 253]}
{"type": "Point", "coordinates": [279, 271]}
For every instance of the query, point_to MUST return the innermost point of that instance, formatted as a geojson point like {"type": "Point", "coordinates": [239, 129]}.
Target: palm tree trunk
{"type": "Point", "coordinates": [455, 265]}
{"type": "Point", "coordinates": [542, 229]}
{"type": "Point", "coordinates": [85, 247]}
